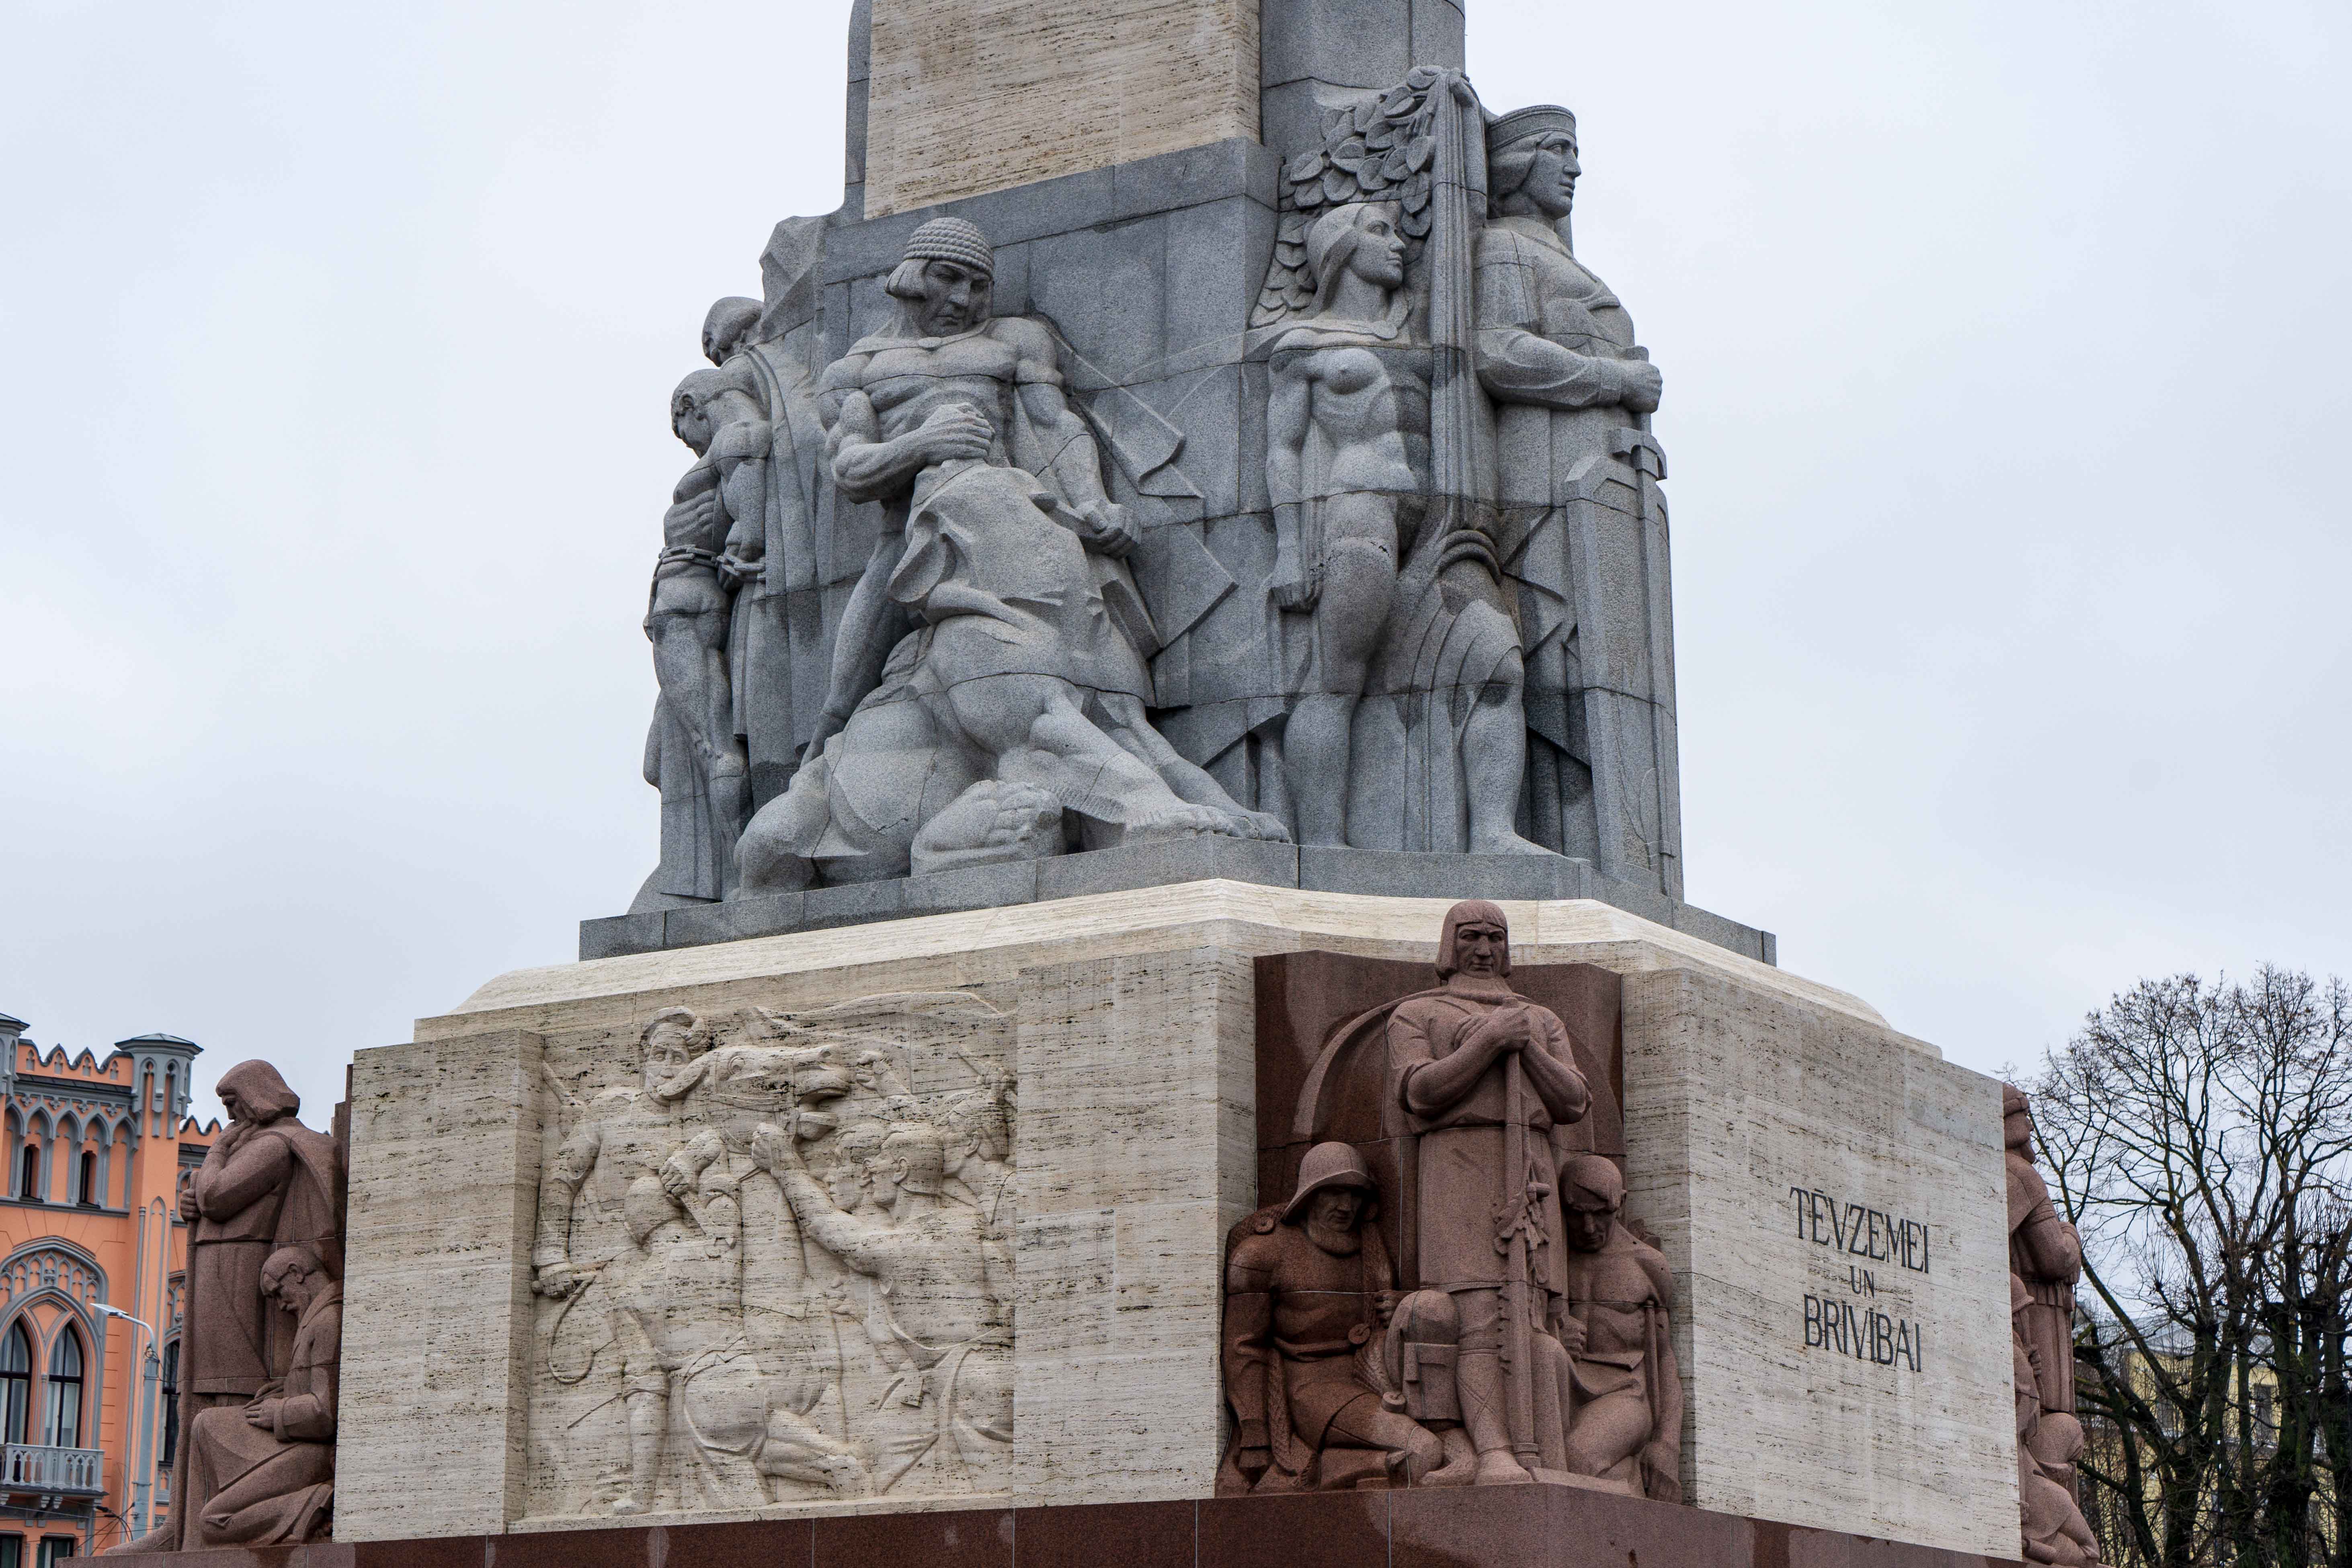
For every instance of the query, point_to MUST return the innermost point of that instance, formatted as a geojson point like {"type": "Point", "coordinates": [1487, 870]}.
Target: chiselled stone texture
{"type": "Point", "coordinates": [970, 96]}
{"type": "Point", "coordinates": [1829, 1196]}
{"type": "Point", "coordinates": [444, 1142]}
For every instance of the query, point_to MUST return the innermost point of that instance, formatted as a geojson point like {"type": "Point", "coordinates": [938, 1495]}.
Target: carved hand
{"type": "Point", "coordinates": [1571, 1333]}
{"type": "Point", "coordinates": [957, 430]}
{"type": "Point", "coordinates": [1639, 384]}
{"type": "Point", "coordinates": [1106, 529]}
{"type": "Point", "coordinates": [774, 1150]}
{"type": "Point", "coordinates": [555, 1280]}
{"type": "Point", "coordinates": [1294, 588]}
{"type": "Point", "coordinates": [189, 1209]}
{"type": "Point", "coordinates": [1505, 1029]}
{"type": "Point", "coordinates": [1386, 1300]}
{"type": "Point", "coordinates": [263, 1413]}
{"type": "Point", "coordinates": [677, 1178]}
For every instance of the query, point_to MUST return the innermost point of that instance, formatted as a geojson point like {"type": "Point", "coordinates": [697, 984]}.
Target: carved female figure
{"type": "Point", "coordinates": [1337, 474]}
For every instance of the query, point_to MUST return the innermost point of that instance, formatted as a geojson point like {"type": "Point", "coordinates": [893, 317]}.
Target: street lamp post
{"type": "Point", "coordinates": [140, 1478]}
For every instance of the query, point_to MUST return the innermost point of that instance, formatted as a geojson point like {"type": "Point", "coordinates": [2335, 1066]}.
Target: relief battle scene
{"type": "Point", "coordinates": [774, 1260]}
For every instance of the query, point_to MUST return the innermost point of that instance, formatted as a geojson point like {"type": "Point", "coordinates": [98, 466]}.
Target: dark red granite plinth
{"type": "Point", "coordinates": [1479, 1527]}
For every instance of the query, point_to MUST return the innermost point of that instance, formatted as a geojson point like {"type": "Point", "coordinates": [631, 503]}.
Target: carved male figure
{"type": "Point", "coordinates": [938, 1316]}
{"type": "Point", "coordinates": [2045, 1252]}
{"type": "Point", "coordinates": [1577, 471]}
{"type": "Point", "coordinates": [1482, 1075]}
{"type": "Point", "coordinates": [2045, 1259]}
{"type": "Point", "coordinates": [686, 618]}
{"type": "Point", "coordinates": [979, 1150]}
{"type": "Point", "coordinates": [266, 1469]}
{"type": "Point", "coordinates": [1308, 1292]}
{"type": "Point", "coordinates": [267, 1183]}
{"type": "Point", "coordinates": [1626, 1408]}
{"type": "Point", "coordinates": [1021, 692]}
{"type": "Point", "coordinates": [614, 1155]}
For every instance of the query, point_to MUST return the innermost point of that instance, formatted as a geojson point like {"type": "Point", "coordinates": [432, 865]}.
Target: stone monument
{"type": "Point", "coordinates": [1176, 558]}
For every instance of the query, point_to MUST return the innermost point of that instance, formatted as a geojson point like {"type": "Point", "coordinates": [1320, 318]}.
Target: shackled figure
{"type": "Point", "coordinates": [1019, 693]}
{"type": "Point", "coordinates": [714, 509]}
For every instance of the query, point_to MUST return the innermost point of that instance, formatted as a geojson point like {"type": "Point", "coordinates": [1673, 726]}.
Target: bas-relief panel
{"type": "Point", "coordinates": [773, 1258]}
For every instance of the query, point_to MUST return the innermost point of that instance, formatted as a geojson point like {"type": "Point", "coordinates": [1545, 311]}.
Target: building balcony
{"type": "Point", "coordinates": [53, 1472]}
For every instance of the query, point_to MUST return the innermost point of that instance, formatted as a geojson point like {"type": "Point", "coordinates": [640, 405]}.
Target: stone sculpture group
{"type": "Point", "coordinates": [1535, 1344]}
{"type": "Point", "coordinates": [897, 624]}
{"type": "Point", "coordinates": [262, 1338]}
{"type": "Point", "coordinates": [772, 1271]}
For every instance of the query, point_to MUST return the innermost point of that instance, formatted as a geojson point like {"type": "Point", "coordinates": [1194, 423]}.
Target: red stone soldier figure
{"type": "Point", "coordinates": [1309, 1290]}
{"type": "Point", "coordinates": [1481, 1075]}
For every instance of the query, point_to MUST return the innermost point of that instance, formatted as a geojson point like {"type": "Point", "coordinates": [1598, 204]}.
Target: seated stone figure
{"type": "Point", "coordinates": [1020, 693]}
{"type": "Point", "coordinates": [267, 1468]}
{"type": "Point", "coordinates": [1309, 1296]}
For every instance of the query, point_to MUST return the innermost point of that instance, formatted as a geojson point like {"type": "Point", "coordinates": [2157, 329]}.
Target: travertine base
{"type": "Point", "coordinates": [1133, 1045]}
{"type": "Point", "coordinates": [972, 96]}
{"type": "Point", "coordinates": [1847, 1367]}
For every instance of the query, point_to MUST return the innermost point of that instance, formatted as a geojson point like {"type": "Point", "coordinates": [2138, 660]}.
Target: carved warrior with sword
{"type": "Point", "coordinates": [1482, 1075]}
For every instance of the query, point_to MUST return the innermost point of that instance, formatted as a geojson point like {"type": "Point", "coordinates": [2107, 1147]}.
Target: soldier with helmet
{"type": "Point", "coordinates": [1309, 1292]}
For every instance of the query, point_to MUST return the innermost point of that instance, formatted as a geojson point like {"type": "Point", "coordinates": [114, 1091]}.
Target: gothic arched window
{"type": "Point", "coordinates": [171, 1403]}
{"type": "Point", "coordinates": [63, 1428]}
{"type": "Point", "coordinates": [15, 1382]}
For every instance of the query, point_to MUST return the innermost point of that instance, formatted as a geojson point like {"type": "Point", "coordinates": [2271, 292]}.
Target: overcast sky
{"type": "Point", "coordinates": [2005, 348]}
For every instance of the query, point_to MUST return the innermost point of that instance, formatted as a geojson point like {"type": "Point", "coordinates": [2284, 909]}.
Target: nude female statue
{"type": "Point", "coordinates": [1337, 474]}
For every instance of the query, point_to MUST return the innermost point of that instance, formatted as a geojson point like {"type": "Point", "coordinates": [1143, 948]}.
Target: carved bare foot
{"type": "Point", "coordinates": [1263, 825]}
{"type": "Point", "coordinates": [991, 823]}
{"type": "Point", "coordinates": [1506, 844]}
{"type": "Point", "coordinates": [1181, 821]}
{"type": "Point", "coordinates": [1497, 1468]}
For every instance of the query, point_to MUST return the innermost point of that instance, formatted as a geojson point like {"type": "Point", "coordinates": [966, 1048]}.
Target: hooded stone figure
{"type": "Point", "coordinates": [1481, 1075]}
{"type": "Point", "coordinates": [267, 1183]}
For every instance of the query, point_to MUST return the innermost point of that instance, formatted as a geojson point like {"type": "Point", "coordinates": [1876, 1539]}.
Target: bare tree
{"type": "Point", "coordinates": [2198, 1135]}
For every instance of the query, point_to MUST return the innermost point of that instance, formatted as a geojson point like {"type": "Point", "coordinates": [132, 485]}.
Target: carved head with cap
{"type": "Point", "coordinates": [1336, 1196]}
{"type": "Point", "coordinates": [1531, 165]}
{"type": "Point", "coordinates": [944, 281]}
{"type": "Point", "coordinates": [2016, 1119]}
